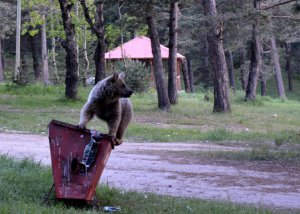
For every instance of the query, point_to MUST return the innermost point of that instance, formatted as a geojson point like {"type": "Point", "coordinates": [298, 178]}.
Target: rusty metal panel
{"type": "Point", "coordinates": [67, 144]}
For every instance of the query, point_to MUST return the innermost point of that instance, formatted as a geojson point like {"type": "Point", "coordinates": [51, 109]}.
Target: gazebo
{"type": "Point", "coordinates": [139, 48]}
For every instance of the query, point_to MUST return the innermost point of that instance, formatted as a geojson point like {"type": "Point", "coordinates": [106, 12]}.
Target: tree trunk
{"type": "Point", "coordinates": [185, 74]}
{"type": "Point", "coordinates": [122, 33]}
{"type": "Point", "coordinates": [99, 55]}
{"type": "Point", "coordinates": [1, 61]}
{"type": "Point", "coordinates": [163, 99]}
{"type": "Point", "coordinates": [23, 73]}
{"type": "Point", "coordinates": [288, 65]}
{"type": "Point", "coordinates": [229, 61]}
{"type": "Point", "coordinates": [205, 53]}
{"type": "Point", "coordinates": [77, 37]}
{"type": "Point", "coordinates": [263, 86]}
{"type": "Point", "coordinates": [217, 59]}
{"type": "Point", "coordinates": [98, 29]}
{"type": "Point", "coordinates": [71, 79]}
{"type": "Point", "coordinates": [277, 68]}
{"type": "Point", "coordinates": [191, 75]}
{"type": "Point", "coordinates": [254, 67]}
{"type": "Point", "coordinates": [121, 25]}
{"type": "Point", "coordinates": [255, 63]}
{"type": "Point", "coordinates": [172, 61]}
{"type": "Point", "coordinates": [2, 54]}
{"type": "Point", "coordinates": [35, 48]}
{"type": "Point", "coordinates": [86, 59]}
{"type": "Point", "coordinates": [18, 42]}
{"type": "Point", "coordinates": [46, 80]}
{"type": "Point", "coordinates": [242, 70]}
{"type": "Point", "coordinates": [53, 45]}
{"type": "Point", "coordinates": [205, 69]}
{"type": "Point", "coordinates": [23, 76]}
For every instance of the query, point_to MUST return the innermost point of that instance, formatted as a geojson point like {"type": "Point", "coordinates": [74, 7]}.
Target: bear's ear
{"type": "Point", "coordinates": [122, 76]}
{"type": "Point", "coordinates": [114, 77]}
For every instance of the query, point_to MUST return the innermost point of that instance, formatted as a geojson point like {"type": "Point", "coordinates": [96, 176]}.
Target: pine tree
{"type": "Point", "coordinates": [98, 29]}
{"type": "Point", "coordinates": [71, 79]}
{"type": "Point", "coordinates": [217, 59]}
{"type": "Point", "coordinates": [172, 60]}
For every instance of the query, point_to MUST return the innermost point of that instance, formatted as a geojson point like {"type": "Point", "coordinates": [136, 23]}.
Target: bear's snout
{"type": "Point", "coordinates": [128, 93]}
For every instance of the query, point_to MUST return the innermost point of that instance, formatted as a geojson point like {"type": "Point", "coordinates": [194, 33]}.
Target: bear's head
{"type": "Point", "coordinates": [119, 85]}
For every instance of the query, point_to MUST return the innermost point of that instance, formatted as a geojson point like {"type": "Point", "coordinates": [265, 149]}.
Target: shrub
{"type": "Point", "coordinates": [137, 75]}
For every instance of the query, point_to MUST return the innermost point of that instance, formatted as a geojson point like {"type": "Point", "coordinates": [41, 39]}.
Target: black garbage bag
{"type": "Point", "coordinates": [91, 149]}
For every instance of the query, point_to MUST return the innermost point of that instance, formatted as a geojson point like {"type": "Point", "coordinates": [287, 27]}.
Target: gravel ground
{"type": "Point", "coordinates": [159, 168]}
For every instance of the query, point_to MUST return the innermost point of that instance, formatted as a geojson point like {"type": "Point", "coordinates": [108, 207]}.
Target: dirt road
{"type": "Point", "coordinates": [167, 168]}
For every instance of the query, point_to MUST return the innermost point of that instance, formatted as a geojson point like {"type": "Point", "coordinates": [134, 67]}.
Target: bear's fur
{"type": "Point", "coordinates": [108, 100]}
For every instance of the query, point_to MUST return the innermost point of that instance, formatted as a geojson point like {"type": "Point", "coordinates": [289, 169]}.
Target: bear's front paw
{"type": "Point", "coordinates": [81, 126]}
{"type": "Point", "coordinates": [118, 142]}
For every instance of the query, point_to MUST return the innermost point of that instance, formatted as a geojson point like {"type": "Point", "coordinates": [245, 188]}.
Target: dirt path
{"type": "Point", "coordinates": [159, 168]}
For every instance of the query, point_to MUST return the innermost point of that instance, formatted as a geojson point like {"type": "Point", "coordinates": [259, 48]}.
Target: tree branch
{"type": "Point", "coordinates": [88, 18]}
{"type": "Point", "coordinates": [278, 4]}
{"type": "Point", "coordinates": [61, 41]}
{"type": "Point", "coordinates": [189, 17]}
{"type": "Point", "coordinates": [285, 17]}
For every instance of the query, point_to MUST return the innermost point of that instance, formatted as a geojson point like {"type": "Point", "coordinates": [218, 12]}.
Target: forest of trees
{"type": "Point", "coordinates": [252, 41]}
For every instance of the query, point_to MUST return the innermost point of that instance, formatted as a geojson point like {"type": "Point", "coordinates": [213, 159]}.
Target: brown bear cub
{"type": "Point", "coordinates": [108, 100]}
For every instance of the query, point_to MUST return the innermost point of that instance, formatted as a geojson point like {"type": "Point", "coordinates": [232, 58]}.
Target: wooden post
{"type": "Point", "coordinates": [191, 75]}
{"type": "Point", "coordinates": [185, 76]}
{"type": "Point", "coordinates": [178, 81]}
{"type": "Point", "coordinates": [152, 81]}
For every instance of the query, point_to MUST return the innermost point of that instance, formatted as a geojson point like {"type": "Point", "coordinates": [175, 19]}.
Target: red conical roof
{"type": "Point", "coordinates": [137, 48]}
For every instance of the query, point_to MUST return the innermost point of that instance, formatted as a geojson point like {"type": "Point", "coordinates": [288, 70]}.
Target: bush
{"type": "Point", "coordinates": [137, 75]}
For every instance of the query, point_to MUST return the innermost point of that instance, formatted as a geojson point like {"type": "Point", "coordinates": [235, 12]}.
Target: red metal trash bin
{"type": "Point", "coordinates": [67, 145]}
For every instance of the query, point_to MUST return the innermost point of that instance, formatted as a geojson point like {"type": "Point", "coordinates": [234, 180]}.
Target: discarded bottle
{"type": "Point", "coordinates": [109, 209]}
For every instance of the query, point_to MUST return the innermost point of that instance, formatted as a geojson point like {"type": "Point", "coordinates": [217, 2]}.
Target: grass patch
{"type": "Point", "coordinates": [33, 89]}
{"type": "Point", "coordinates": [289, 154]}
{"type": "Point", "coordinates": [30, 108]}
{"type": "Point", "coordinates": [140, 132]}
{"type": "Point", "coordinates": [24, 183]}
{"type": "Point", "coordinates": [256, 154]}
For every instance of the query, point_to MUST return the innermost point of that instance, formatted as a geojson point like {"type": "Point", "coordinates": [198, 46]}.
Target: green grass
{"type": "Point", "coordinates": [30, 108]}
{"type": "Point", "coordinates": [148, 133]}
{"type": "Point", "coordinates": [23, 184]}
{"type": "Point", "coordinates": [255, 154]}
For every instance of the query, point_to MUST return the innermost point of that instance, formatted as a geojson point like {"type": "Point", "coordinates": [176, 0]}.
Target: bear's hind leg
{"type": "Point", "coordinates": [113, 125]}
{"type": "Point", "coordinates": [122, 127]}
